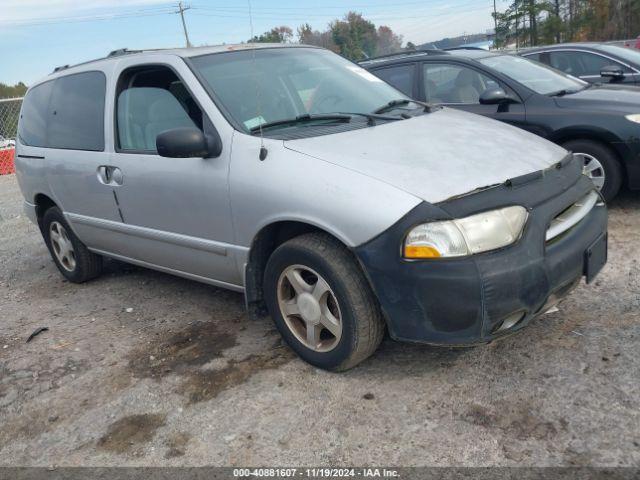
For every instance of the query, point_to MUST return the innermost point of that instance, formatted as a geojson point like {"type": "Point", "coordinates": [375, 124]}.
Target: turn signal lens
{"type": "Point", "coordinates": [435, 240]}
{"type": "Point", "coordinates": [421, 251]}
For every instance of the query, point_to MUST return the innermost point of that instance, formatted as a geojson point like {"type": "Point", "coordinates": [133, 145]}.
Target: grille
{"type": "Point", "coordinates": [571, 216]}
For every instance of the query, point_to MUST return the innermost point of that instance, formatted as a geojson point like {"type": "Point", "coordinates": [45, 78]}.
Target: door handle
{"type": "Point", "coordinates": [110, 175]}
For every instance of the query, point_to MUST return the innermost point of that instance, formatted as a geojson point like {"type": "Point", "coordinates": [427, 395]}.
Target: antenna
{"type": "Point", "coordinates": [263, 150]}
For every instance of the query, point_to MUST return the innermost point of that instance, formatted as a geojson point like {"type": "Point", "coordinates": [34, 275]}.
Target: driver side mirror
{"type": "Point", "coordinates": [613, 72]}
{"type": "Point", "coordinates": [187, 142]}
{"type": "Point", "coordinates": [496, 96]}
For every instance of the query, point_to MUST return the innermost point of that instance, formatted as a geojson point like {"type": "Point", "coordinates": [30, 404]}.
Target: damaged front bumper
{"type": "Point", "coordinates": [479, 298]}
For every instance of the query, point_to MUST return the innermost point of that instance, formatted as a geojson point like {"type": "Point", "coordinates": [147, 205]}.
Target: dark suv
{"type": "Point", "coordinates": [600, 123]}
{"type": "Point", "coordinates": [591, 62]}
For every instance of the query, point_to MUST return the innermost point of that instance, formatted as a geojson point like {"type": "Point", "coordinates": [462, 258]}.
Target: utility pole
{"type": "Point", "coordinates": [517, 19]}
{"type": "Point", "coordinates": [181, 10]}
{"type": "Point", "coordinates": [495, 22]}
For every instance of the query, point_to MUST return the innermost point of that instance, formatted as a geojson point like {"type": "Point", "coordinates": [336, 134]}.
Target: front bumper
{"type": "Point", "coordinates": [466, 301]}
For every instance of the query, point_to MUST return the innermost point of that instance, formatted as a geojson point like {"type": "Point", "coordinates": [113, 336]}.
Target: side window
{"type": "Point", "coordinates": [32, 128]}
{"type": "Point", "coordinates": [448, 83]}
{"type": "Point", "coordinates": [533, 56]}
{"type": "Point", "coordinates": [401, 77]}
{"type": "Point", "coordinates": [149, 102]}
{"type": "Point", "coordinates": [581, 63]}
{"type": "Point", "coordinates": [77, 112]}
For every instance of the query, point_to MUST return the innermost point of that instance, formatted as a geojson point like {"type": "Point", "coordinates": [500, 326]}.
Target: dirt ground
{"type": "Point", "coordinates": [142, 368]}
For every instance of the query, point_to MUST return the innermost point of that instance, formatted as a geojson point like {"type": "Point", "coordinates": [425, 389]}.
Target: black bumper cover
{"type": "Point", "coordinates": [464, 301]}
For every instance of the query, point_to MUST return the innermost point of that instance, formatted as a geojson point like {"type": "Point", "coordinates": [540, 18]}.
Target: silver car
{"type": "Point", "coordinates": [335, 203]}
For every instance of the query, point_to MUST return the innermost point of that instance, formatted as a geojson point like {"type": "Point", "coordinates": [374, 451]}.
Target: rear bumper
{"type": "Point", "coordinates": [466, 301]}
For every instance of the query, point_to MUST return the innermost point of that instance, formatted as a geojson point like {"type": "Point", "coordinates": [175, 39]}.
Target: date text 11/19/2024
{"type": "Point", "coordinates": [316, 472]}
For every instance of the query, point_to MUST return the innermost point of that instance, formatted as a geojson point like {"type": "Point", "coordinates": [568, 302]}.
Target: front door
{"type": "Point", "coordinates": [175, 210]}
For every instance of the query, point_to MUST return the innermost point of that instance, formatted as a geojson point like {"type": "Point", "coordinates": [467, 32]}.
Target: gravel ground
{"type": "Point", "coordinates": [142, 368]}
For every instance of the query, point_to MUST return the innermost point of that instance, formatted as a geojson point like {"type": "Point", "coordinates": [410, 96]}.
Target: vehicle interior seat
{"type": "Point", "coordinates": [431, 92]}
{"type": "Point", "coordinates": [466, 90]}
{"type": "Point", "coordinates": [165, 113]}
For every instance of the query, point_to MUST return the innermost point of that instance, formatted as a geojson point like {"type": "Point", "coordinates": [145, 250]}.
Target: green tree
{"type": "Point", "coordinates": [12, 91]}
{"type": "Point", "coordinates": [355, 37]}
{"type": "Point", "coordinates": [282, 34]}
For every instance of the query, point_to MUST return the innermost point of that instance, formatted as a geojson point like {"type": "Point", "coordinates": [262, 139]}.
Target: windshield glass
{"type": "Point", "coordinates": [283, 83]}
{"type": "Point", "coordinates": [536, 76]}
{"type": "Point", "coordinates": [625, 53]}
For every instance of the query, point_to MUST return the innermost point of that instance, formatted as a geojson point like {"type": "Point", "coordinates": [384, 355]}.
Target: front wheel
{"type": "Point", "coordinates": [600, 164]}
{"type": "Point", "coordinates": [321, 302]}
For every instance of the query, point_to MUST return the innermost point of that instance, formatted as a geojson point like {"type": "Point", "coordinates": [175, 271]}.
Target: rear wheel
{"type": "Point", "coordinates": [600, 164]}
{"type": "Point", "coordinates": [75, 262]}
{"type": "Point", "coordinates": [321, 302]}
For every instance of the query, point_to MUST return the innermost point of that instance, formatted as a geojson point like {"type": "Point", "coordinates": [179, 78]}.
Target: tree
{"type": "Point", "coordinates": [309, 36]}
{"type": "Point", "coordinates": [410, 46]}
{"type": "Point", "coordinates": [355, 37]}
{"type": "Point", "coordinates": [282, 34]}
{"type": "Point", "coordinates": [12, 91]}
{"type": "Point", "coordinates": [388, 42]}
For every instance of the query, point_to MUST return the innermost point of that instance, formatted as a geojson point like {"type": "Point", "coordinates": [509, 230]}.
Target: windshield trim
{"type": "Point", "coordinates": [578, 81]}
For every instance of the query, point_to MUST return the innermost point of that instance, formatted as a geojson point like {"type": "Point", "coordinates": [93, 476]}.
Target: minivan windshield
{"type": "Point", "coordinates": [534, 75]}
{"type": "Point", "coordinates": [268, 85]}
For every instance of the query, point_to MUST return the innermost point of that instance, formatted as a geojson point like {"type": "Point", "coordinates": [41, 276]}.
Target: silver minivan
{"type": "Point", "coordinates": [335, 203]}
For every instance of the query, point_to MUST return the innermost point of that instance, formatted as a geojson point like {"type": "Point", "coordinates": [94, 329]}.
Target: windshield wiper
{"type": "Point", "coordinates": [371, 117]}
{"type": "Point", "coordinates": [562, 93]}
{"type": "Point", "coordinates": [428, 108]}
{"type": "Point", "coordinates": [302, 119]}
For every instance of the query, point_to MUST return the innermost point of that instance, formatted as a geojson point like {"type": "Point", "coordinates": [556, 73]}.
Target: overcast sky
{"type": "Point", "coordinates": [38, 35]}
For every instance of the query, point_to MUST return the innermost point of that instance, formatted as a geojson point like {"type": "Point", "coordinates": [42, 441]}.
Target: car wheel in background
{"type": "Point", "coordinates": [75, 262]}
{"type": "Point", "coordinates": [321, 302]}
{"type": "Point", "coordinates": [600, 164]}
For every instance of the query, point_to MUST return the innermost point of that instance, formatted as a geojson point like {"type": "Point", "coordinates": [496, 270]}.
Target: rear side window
{"type": "Point", "coordinates": [66, 113]}
{"type": "Point", "coordinates": [32, 129]}
{"type": "Point", "coordinates": [77, 112]}
{"type": "Point", "coordinates": [400, 77]}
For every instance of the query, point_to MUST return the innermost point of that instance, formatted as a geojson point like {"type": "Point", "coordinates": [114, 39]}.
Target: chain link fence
{"type": "Point", "coordinates": [9, 114]}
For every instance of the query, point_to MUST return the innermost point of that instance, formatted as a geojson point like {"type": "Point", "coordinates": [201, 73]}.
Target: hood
{"type": "Point", "coordinates": [436, 156]}
{"type": "Point", "coordinates": [610, 98]}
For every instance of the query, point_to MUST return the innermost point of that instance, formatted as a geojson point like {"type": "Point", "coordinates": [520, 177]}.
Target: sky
{"type": "Point", "coordinates": [38, 35]}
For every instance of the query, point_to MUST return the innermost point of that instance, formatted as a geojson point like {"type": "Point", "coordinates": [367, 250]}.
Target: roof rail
{"type": "Point", "coordinates": [60, 68]}
{"type": "Point", "coordinates": [464, 47]}
{"type": "Point", "coordinates": [427, 51]}
{"type": "Point", "coordinates": [122, 51]}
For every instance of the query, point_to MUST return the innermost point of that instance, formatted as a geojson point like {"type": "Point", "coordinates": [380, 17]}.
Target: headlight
{"type": "Point", "coordinates": [633, 118]}
{"type": "Point", "coordinates": [466, 236]}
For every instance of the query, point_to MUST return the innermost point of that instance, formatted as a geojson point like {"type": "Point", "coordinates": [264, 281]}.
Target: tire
{"type": "Point", "coordinates": [85, 265]}
{"type": "Point", "coordinates": [606, 158]}
{"type": "Point", "coordinates": [349, 300]}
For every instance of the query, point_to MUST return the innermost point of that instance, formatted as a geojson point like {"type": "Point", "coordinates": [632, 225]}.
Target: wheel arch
{"type": "Point", "coordinates": [604, 137]}
{"type": "Point", "coordinates": [43, 203]}
{"type": "Point", "coordinates": [265, 242]}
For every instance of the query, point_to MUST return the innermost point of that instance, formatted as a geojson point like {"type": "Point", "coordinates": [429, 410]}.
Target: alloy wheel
{"type": "Point", "coordinates": [593, 169]}
{"type": "Point", "coordinates": [62, 246]}
{"type": "Point", "coordinates": [309, 308]}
